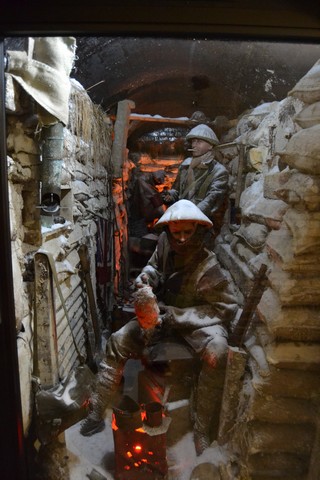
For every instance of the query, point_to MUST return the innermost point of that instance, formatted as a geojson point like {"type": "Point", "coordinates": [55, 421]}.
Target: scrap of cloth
{"type": "Point", "coordinates": [43, 72]}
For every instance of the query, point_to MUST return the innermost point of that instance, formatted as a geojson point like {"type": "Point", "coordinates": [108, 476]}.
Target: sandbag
{"type": "Point", "coordinates": [253, 234]}
{"type": "Point", "coordinates": [308, 88]}
{"type": "Point", "coordinates": [309, 116]}
{"type": "Point", "coordinates": [303, 151]}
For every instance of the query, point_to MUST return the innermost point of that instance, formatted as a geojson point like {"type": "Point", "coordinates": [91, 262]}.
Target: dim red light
{"type": "Point", "coordinates": [141, 430]}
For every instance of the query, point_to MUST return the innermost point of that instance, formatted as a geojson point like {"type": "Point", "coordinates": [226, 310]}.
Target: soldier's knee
{"type": "Point", "coordinates": [215, 351]}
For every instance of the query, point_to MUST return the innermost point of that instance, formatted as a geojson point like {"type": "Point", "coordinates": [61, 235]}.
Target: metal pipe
{"type": "Point", "coordinates": [52, 153]}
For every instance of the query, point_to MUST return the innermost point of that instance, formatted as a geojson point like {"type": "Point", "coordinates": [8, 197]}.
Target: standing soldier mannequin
{"type": "Point", "coordinates": [199, 302]}
{"type": "Point", "coordinates": [146, 204]}
{"type": "Point", "coordinates": [202, 179]}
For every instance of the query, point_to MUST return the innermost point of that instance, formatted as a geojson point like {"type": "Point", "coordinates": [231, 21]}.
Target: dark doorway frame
{"type": "Point", "coordinates": [243, 19]}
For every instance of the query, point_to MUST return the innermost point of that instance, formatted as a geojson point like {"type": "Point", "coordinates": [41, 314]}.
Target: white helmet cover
{"type": "Point", "coordinates": [203, 132]}
{"type": "Point", "coordinates": [184, 210]}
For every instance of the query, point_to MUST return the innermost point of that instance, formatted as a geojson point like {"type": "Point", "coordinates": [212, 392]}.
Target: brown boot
{"type": "Point", "coordinates": [90, 426]}
{"type": "Point", "coordinates": [108, 380]}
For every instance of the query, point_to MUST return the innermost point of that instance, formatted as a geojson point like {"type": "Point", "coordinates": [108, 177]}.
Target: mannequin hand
{"type": "Point", "coordinates": [167, 317]}
{"type": "Point", "coordinates": [141, 280]}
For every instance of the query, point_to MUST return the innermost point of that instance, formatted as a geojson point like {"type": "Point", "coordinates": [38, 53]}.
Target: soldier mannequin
{"type": "Point", "coordinates": [199, 302]}
{"type": "Point", "coordinates": [202, 179]}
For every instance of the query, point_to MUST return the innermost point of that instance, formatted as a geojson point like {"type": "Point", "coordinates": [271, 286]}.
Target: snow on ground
{"type": "Point", "coordinates": [95, 455]}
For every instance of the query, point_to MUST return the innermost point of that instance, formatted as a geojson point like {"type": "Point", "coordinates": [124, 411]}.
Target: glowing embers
{"type": "Point", "coordinates": [140, 448]}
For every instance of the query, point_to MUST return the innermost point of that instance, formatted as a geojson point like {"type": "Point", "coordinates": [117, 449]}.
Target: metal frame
{"type": "Point", "coordinates": [12, 451]}
{"type": "Point", "coordinates": [173, 17]}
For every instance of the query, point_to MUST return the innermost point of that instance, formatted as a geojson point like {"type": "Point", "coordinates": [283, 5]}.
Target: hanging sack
{"type": "Point", "coordinates": [63, 405]}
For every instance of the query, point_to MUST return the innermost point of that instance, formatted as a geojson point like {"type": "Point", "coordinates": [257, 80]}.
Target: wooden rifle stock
{"type": "Point", "coordinates": [236, 337]}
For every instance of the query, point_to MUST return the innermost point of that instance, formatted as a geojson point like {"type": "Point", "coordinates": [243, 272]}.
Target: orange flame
{"type": "Point", "coordinates": [113, 423]}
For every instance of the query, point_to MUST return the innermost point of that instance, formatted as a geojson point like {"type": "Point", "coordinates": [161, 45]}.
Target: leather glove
{"type": "Point", "coordinates": [167, 318]}
{"type": "Point", "coordinates": [141, 281]}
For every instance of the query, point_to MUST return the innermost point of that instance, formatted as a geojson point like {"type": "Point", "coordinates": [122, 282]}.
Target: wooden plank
{"type": "Point", "coordinates": [118, 153]}
{"type": "Point", "coordinates": [159, 119]}
{"type": "Point", "coordinates": [232, 386]}
{"type": "Point", "coordinates": [46, 349]}
{"type": "Point", "coordinates": [239, 184]}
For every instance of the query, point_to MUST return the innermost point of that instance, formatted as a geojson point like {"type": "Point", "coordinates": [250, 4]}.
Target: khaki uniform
{"type": "Point", "coordinates": [205, 184]}
{"type": "Point", "coordinates": [201, 304]}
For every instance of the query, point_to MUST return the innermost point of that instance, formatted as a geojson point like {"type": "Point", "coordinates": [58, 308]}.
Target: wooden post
{"type": "Point", "coordinates": [121, 127]}
{"type": "Point", "coordinates": [119, 156]}
{"type": "Point", "coordinates": [232, 386]}
{"type": "Point", "coordinates": [239, 175]}
{"type": "Point", "coordinates": [45, 335]}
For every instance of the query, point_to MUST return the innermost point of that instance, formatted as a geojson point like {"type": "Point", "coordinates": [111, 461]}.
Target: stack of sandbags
{"type": "Point", "coordinates": [261, 133]}
{"type": "Point", "coordinates": [277, 419]}
{"type": "Point", "coordinates": [294, 248]}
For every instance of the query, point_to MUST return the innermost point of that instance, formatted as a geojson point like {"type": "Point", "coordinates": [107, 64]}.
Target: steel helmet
{"type": "Point", "coordinates": [184, 210]}
{"type": "Point", "coordinates": [203, 132]}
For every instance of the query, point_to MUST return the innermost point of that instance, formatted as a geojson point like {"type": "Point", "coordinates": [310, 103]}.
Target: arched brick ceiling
{"type": "Point", "coordinates": [173, 77]}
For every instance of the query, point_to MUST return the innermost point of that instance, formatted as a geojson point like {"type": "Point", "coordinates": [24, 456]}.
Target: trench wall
{"type": "Point", "coordinates": [275, 431]}
{"type": "Point", "coordinates": [85, 219]}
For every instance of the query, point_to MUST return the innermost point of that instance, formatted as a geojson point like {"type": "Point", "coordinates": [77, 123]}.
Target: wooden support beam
{"type": "Point", "coordinates": [121, 127]}
{"type": "Point", "coordinates": [45, 341]}
{"type": "Point", "coordinates": [239, 185]}
{"type": "Point", "coordinates": [232, 387]}
{"type": "Point", "coordinates": [159, 119]}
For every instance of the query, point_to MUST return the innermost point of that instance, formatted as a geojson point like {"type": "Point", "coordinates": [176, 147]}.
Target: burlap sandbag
{"type": "Point", "coordinates": [309, 116]}
{"type": "Point", "coordinates": [303, 151]}
{"type": "Point", "coordinates": [308, 88]}
{"type": "Point", "coordinates": [44, 72]}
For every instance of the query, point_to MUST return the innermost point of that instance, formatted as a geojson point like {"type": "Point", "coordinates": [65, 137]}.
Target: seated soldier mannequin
{"type": "Point", "coordinates": [199, 304]}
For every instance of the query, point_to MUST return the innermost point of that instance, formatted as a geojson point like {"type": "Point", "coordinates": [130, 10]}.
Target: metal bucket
{"type": "Point", "coordinates": [154, 414]}
{"type": "Point", "coordinates": [127, 414]}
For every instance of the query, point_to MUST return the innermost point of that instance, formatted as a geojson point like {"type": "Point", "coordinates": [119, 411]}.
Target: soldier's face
{"type": "Point", "coordinates": [200, 147]}
{"type": "Point", "coordinates": [183, 230]}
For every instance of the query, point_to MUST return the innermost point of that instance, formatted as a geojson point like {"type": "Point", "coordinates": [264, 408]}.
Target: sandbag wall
{"type": "Point", "coordinates": [275, 434]}
{"type": "Point", "coordinates": [85, 219]}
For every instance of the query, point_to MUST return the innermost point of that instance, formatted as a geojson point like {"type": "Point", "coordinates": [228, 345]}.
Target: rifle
{"type": "Point", "coordinates": [237, 359]}
{"type": "Point", "coordinates": [238, 334]}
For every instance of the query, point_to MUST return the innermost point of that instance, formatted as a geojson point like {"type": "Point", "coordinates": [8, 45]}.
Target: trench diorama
{"type": "Point", "coordinates": [84, 214]}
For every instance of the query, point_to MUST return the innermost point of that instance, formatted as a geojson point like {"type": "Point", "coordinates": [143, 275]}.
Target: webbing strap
{"type": "Point", "coordinates": [192, 186]}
